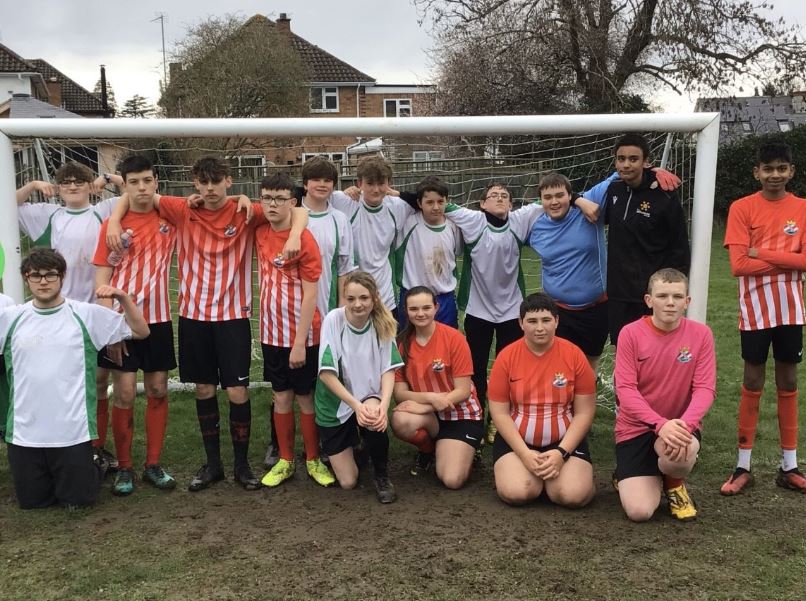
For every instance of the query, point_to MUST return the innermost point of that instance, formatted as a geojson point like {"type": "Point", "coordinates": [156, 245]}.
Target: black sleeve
{"type": "Point", "coordinates": [679, 251]}
{"type": "Point", "coordinates": [299, 194]}
{"type": "Point", "coordinates": [411, 199]}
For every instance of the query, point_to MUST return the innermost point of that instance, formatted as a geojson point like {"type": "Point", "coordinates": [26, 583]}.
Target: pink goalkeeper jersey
{"type": "Point", "coordinates": [662, 376]}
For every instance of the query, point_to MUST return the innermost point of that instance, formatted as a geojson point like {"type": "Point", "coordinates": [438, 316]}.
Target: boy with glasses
{"type": "Point", "coordinates": [51, 344]}
{"type": "Point", "coordinates": [289, 329]}
{"type": "Point", "coordinates": [72, 230]}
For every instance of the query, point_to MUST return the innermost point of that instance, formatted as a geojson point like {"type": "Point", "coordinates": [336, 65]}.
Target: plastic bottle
{"type": "Point", "coordinates": [115, 258]}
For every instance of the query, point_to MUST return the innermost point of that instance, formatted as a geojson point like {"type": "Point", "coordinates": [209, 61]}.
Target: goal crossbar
{"type": "Point", "coordinates": [705, 125]}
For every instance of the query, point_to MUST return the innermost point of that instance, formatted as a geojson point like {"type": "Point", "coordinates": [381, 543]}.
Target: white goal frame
{"type": "Point", "coordinates": [705, 125]}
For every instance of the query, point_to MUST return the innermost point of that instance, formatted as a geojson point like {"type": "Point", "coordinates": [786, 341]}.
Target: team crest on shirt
{"type": "Point", "coordinates": [560, 381]}
{"type": "Point", "coordinates": [643, 208]}
{"type": "Point", "coordinates": [684, 355]}
{"type": "Point", "coordinates": [163, 228]}
{"type": "Point", "coordinates": [278, 261]}
{"type": "Point", "coordinates": [230, 231]}
{"type": "Point", "coordinates": [437, 365]}
{"type": "Point", "coordinates": [791, 228]}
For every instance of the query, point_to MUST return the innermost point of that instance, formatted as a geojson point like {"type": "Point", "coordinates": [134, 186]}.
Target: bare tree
{"type": "Point", "coordinates": [602, 50]}
{"type": "Point", "coordinates": [235, 68]}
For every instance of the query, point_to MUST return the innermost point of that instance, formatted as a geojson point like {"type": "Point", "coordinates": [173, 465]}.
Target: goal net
{"type": "Point", "coordinates": [468, 153]}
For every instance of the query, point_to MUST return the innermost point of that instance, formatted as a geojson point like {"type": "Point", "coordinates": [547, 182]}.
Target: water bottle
{"type": "Point", "coordinates": [115, 258]}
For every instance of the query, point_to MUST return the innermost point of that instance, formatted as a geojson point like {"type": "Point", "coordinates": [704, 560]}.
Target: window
{"type": "Point", "coordinates": [324, 100]}
{"type": "Point", "coordinates": [425, 160]}
{"type": "Point", "coordinates": [746, 126]}
{"type": "Point", "coordinates": [784, 125]}
{"type": "Point", "coordinates": [397, 107]}
{"type": "Point", "coordinates": [248, 166]}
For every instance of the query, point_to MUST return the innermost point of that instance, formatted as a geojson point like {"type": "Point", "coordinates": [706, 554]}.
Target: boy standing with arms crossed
{"type": "Point", "coordinates": [765, 239]}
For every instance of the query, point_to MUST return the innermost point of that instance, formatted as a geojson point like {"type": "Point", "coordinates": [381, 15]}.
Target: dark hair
{"type": "Point", "coordinates": [774, 151]}
{"type": "Point", "coordinates": [404, 338]}
{"type": "Point", "coordinates": [554, 180]}
{"type": "Point", "coordinates": [210, 169]}
{"type": "Point", "coordinates": [373, 170]}
{"type": "Point", "coordinates": [135, 163]}
{"type": "Point", "coordinates": [319, 167]}
{"type": "Point", "coordinates": [492, 185]}
{"type": "Point", "coordinates": [74, 170]}
{"type": "Point", "coordinates": [277, 181]}
{"type": "Point", "coordinates": [431, 183]}
{"type": "Point", "coordinates": [43, 258]}
{"type": "Point", "coordinates": [539, 301]}
{"type": "Point", "coordinates": [633, 140]}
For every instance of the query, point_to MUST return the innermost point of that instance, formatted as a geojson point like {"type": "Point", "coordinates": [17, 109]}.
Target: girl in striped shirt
{"type": "Point", "coordinates": [438, 410]}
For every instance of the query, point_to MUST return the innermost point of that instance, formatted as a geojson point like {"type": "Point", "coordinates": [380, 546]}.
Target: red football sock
{"type": "Point", "coordinates": [123, 432]}
{"type": "Point", "coordinates": [102, 417]}
{"type": "Point", "coordinates": [670, 483]}
{"type": "Point", "coordinates": [310, 434]}
{"type": "Point", "coordinates": [748, 417]}
{"type": "Point", "coordinates": [422, 440]}
{"type": "Point", "coordinates": [285, 434]}
{"type": "Point", "coordinates": [788, 418]}
{"type": "Point", "coordinates": [156, 423]}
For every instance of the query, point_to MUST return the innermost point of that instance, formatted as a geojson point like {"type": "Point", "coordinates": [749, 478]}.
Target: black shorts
{"type": "Point", "coordinates": [786, 341]}
{"type": "Point", "coordinates": [620, 313]}
{"type": "Point", "coordinates": [276, 370]}
{"type": "Point", "coordinates": [470, 431]}
{"type": "Point", "coordinates": [501, 448]}
{"type": "Point", "coordinates": [335, 439]}
{"type": "Point", "coordinates": [151, 354]}
{"type": "Point", "coordinates": [54, 476]}
{"type": "Point", "coordinates": [587, 328]}
{"type": "Point", "coordinates": [637, 457]}
{"type": "Point", "coordinates": [215, 352]}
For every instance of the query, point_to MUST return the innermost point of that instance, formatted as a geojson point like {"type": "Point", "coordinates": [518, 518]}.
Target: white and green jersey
{"type": "Point", "coordinates": [376, 231]}
{"type": "Point", "coordinates": [427, 255]}
{"type": "Point", "coordinates": [74, 233]}
{"type": "Point", "coordinates": [359, 360]}
{"type": "Point", "coordinates": [492, 284]}
{"type": "Point", "coordinates": [5, 301]}
{"type": "Point", "coordinates": [50, 357]}
{"type": "Point", "coordinates": [332, 233]}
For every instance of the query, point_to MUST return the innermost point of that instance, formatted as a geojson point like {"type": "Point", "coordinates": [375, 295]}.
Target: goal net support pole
{"type": "Point", "coordinates": [706, 125]}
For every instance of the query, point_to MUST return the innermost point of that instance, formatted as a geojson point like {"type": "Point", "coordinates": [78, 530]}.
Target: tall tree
{"type": "Point", "coordinates": [599, 52]}
{"type": "Point", "coordinates": [235, 68]}
{"type": "Point", "coordinates": [110, 94]}
{"type": "Point", "coordinates": [137, 107]}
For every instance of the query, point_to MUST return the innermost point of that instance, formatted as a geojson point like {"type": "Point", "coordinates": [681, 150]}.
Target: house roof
{"type": "Point", "coordinates": [23, 106]}
{"type": "Point", "coordinates": [322, 66]}
{"type": "Point", "coordinates": [74, 97]}
{"type": "Point", "coordinates": [11, 62]}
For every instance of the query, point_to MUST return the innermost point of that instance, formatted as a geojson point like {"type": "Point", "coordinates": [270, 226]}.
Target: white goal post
{"type": "Point", "coordinates": [704, 125]}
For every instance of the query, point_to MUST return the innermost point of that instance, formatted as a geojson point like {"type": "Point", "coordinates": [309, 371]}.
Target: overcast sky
{"type": "Point", "coordinates": [76, 36]}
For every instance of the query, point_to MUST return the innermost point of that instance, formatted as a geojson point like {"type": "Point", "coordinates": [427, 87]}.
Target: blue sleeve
{"type": "Point", "coordinates": [598, 192]}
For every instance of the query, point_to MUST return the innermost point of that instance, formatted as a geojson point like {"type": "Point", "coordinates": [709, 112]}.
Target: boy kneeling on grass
{"type": "Point", "coordinates": [666, 382]}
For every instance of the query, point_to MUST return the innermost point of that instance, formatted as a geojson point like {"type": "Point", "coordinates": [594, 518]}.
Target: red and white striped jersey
{"type": "Point", "coordinates": [775, 297]}
{"type": "Point", "coordinates": [540, 390]}
{"type": "Point", "coordinates": [144, 269]}
{"type": "Point", "coordinates": [214, 251]}
{"type": "Point", "coordinates": [281, 286]}
{"type": "Point", "coordinates": [433, 366]}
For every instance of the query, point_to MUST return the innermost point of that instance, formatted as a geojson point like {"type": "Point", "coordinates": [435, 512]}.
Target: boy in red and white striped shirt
{"type": "Point", "coordinates": [289, 329]}
{"type": "Point", "coordinates": [215, 302]}
{"type": "Point", "coordinates": [766, 239]}
{"type": "Point", "coordinates": [142, 272]}
{"type": "Point", "coordinates": [542, 396]}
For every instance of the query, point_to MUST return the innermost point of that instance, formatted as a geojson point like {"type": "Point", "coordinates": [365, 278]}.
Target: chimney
{"type": "Point", "coordinates": [104, 96]}
{"type": "Point", "coordinates": [283, 24]}
{"type": "Point", "coordinates": [54, 92]}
